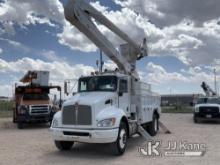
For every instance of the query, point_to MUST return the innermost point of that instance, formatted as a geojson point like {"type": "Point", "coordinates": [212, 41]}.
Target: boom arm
{"type": "Point", "coordinates": [208, 91]}
{"type": "Point", "coordinates": [80, 14]}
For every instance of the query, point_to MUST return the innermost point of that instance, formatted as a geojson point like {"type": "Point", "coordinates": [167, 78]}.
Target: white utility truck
{"type": "Point", "coordinates": [109, 106]}
{"type": "Point", "coordinates": [208, 107]}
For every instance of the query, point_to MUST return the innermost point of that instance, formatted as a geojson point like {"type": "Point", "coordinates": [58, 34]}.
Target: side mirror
{"type": "Point", "coordinates": [192, 104]}
{"type": "Point", "coordinates": [66, 88]}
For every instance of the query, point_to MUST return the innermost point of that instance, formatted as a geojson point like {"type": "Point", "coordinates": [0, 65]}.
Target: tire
{"type": "Point", "coordinates": [14, 120]}
{"type": "Point", "coordinates": [119, 146]}
{"type": "Point", "coordinates": [64, 145]}
{"type": "Point", "coordinates": [195, 120]}
{"type": "Point", "coordinates": [50, 123]}
{"type": "Point", "coordinates": [20, 125]}
{"type": "Point", "coordinates": [153, 126]}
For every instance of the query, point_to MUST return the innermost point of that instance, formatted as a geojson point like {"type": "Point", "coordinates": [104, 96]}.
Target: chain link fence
{"type": "Point", "coordinates": [6, 108]}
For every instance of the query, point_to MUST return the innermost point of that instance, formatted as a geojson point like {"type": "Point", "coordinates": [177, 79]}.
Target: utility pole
{"type": "Point", "coordinates": [101, 62]}
{"type": "Point", "coordinates": [215, 81]}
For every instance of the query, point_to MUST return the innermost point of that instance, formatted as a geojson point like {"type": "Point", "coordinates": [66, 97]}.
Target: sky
{"type": "Point", "coordinates": [183, 40]}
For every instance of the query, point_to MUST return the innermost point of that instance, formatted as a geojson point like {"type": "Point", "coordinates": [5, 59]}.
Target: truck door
{"type": "Point", "coordinates": [123, 96]}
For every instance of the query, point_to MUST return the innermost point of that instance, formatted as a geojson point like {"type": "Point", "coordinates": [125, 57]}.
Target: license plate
{"type": "Point", "coordinates": [208, 116]}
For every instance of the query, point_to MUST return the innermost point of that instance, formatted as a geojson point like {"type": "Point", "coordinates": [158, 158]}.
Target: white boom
{"type": "Point", "coordinates": [80, 14]}
{"type": "Point", "coordinates": [208, 90]}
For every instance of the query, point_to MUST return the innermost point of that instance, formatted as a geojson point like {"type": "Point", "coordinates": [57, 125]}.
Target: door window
{"type": "Point", "coordinates": [123, 87]}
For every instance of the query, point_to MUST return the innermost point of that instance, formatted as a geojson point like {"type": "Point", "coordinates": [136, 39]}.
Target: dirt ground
{"type": "Point", "coordinates": [34, 145]}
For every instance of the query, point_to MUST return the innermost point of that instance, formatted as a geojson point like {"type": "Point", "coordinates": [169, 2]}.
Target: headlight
{"type": "Point", "coordinates": [23, 109]}
{"type": "Point", "coordinates": [197, 109]}
{"type": "Point", "coordinates": [55, 123]}
{"type": "Point", "coordinates": [107, 122]}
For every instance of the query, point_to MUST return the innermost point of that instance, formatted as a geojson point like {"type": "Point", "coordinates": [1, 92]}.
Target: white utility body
{"type": "Point", "coordinates": [109, 106]}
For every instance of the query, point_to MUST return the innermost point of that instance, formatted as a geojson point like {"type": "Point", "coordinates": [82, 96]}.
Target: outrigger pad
{"type": "Point", "coordinates": [166, 130]}
{"type": "Point", "coordinates": [144, 133]}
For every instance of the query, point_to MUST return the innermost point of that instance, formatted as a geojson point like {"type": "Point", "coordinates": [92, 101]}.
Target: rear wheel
{"type": "Point", "coordinates": [118, 147]}
{"type": "Point", "coordinates": [64, 145]}
{"type": "Point", "coordinates": [153, 126]}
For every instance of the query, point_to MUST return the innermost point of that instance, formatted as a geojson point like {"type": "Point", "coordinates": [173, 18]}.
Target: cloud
{"type": "Point", "coordinates": [182, 31]}
{"type": "Point", "coordinates": [5, 90]}
{"type": "Point", "coordinates": [17, 45]}
{"type": "Point", "coordinates": [173, 28]}
{"type": "Point", "coordinates": [1, 50]}
{"type": "Point", "coordinates": [28, 12]}
{"type": "Point", "coordinates": [51, 56]}
{"type": "Point", "coordinates": [109, 65]}
{"type": "Point", "coordinates": [75, 40]}
{"type": "Point", "coordinates": [192, 44]}
{"type": "Point", "coordinates": [156, 74]}
{"type": "Point", "coordinates": [182, 81]}
{"type": "Point", "coordinates": [59, 71]}
{"type": "Point", "coordinates": [126, 19]}
{"type": "Point", "coordinates": [172, 12]}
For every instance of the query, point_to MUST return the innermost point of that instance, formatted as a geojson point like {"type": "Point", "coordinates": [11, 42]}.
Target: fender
{"type": "Point", "coordinates": [111, 112]}
{"type": "Point", "coordinates": [57, 116]}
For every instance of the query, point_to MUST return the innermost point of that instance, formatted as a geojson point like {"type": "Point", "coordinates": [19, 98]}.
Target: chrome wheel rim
{"type": "Point", "coordinates": [123, 138]}
{"type": "Point", "coordinates": [155, 125]}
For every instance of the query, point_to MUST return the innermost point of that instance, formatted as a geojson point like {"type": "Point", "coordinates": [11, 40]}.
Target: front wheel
{"type": "Point", "coordinates": [64, 145]}
{"type": "Point", "coordinates": [119, 146]}
{"type": "Point", "coordinates": [20, 125]}
{"type": "Point", "coordinates": [153, 126]}
{"type": "Point", "coordinates": [195, 119]}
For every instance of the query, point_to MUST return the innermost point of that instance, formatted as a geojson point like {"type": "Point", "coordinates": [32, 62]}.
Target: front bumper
{"type": "Point", "coordinates": [27, 118]}
{"type": "Point", "coordinates": [207, 116]}
{"type": "Point", "coordinates": [85, 136]}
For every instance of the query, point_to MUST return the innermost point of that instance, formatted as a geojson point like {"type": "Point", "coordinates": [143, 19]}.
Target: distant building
{"type": "Point", "coordinates": [179, 99]}
{"type": "Point", "coordinates": [3, 98]}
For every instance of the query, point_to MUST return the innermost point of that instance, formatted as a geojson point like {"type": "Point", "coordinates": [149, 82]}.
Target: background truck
{"type": "Point", "coordinates": [109, 106]}
{"type": "Point", "coordinates": [32, 101]}
{"type": "Point", "coordinates": [207, 108]}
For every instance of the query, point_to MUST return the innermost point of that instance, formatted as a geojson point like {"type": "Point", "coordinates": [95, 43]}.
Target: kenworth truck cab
{"type": "Point", "coordinates": [108, 108]}
{"type": "Point", "coordinates": [207, 108]}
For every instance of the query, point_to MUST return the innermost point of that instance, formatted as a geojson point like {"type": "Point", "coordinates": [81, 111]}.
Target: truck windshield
{"type": "Point", "coordinates": [97, 83]}
{"type": "Point", "coordinates": [35, 97]}
{"type": "Point", "coordinates": [208, 100]}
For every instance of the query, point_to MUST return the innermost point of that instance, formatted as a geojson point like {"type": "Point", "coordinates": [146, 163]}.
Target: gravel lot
{"type": "Point", "coordinates": [34, 145]}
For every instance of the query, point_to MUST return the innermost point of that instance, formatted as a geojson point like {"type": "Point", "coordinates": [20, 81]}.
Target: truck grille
{"type": "Point", "coordinates": [39, 109]}
{"type": "Point", "coordinates": [80, 115]}
{"type": "Point", "coordinates": [209, 110]}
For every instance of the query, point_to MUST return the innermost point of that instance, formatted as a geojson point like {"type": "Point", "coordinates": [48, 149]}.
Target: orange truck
{"type": "Point", "coordinates": [32, 101]}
